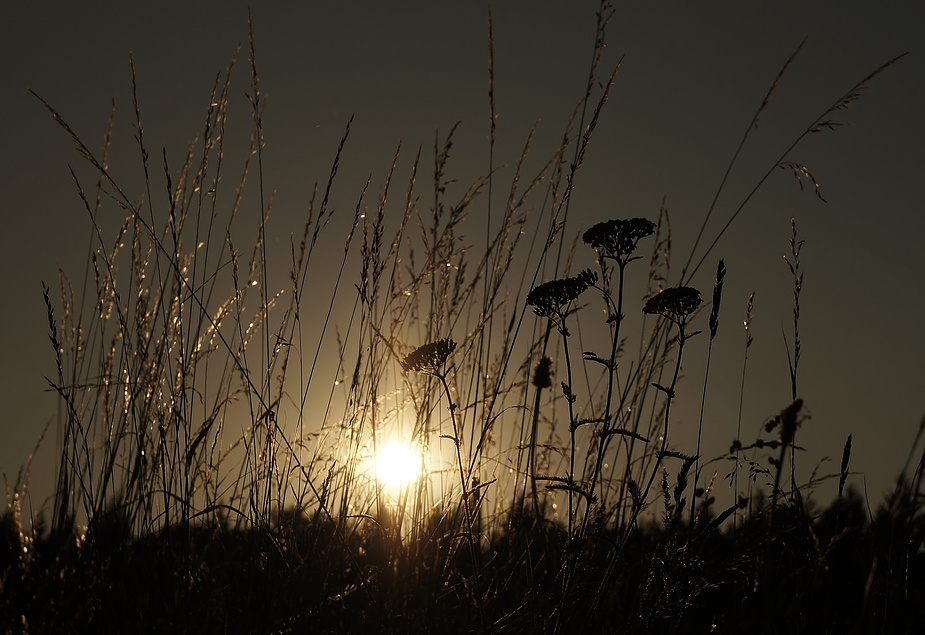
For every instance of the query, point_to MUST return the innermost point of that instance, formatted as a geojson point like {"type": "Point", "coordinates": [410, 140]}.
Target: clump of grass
{"type": "Point", "coordinates": [189, 449]}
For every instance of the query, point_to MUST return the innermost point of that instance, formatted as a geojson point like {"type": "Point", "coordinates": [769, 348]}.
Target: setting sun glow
{"type": "Point", "coordinates": [397, 465]}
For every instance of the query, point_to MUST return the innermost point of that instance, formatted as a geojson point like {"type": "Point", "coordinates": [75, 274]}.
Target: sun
{"type": "Point", "coordinates": [397, 464]}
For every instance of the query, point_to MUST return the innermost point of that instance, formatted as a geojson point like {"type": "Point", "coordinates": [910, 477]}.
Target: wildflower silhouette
{"type": "Point", "coordinates": [617, 239]}
{"type": "Point", "coordinates": [429, 359]}
{"type": "Point", "coordinates": [552, 299]}
{"type": "Point", "coordinates": [676, 304]}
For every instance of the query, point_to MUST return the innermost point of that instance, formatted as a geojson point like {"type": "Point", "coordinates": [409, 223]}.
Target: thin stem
{"type": "Point", "coordinates": [611, 381]}
{"type": "Point", "coordinates": [569, 397]}
{"type": "Point", "coordinates": [640, 504]}
{"type": "Point", "coordinates": [465, 495]}
{"type": "Point", "coordinates": [703, 400]}
{"type": "Point", "coordinates": [748, 342]}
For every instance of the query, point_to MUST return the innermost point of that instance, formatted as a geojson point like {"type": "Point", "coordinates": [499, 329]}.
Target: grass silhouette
{"type": "Point", "coordinates": [200, 490]}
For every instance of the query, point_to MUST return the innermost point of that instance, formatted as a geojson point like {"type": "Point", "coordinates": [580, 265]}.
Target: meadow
{"type": "Point", "coordinates": [427, 423]}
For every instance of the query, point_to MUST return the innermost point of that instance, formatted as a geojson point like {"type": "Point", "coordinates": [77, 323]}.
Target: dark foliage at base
{"type": "Point", "coordinates": [828, 572]}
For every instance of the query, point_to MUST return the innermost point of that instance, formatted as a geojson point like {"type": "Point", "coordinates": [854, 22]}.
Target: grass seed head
{"type": "Point", "coordinates": [542, 374]}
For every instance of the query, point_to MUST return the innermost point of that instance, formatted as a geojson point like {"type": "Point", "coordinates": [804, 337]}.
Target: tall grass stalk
{"type": "Point", "coordinates": [714, 328]}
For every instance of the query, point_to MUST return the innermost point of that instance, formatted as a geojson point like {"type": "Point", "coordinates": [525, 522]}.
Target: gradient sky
{"type": "Point", "coordinates": [691, 81]}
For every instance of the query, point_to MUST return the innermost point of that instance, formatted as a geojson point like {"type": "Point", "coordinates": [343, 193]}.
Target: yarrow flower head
{"type": "Point", "coordinates": [676, 304]}
{"type": "Point", "coordinates": [549, 298]}
{"type": "Point", "coordinates": [617, 239]}
{"type": "Point", "coordinates": [429, 358]}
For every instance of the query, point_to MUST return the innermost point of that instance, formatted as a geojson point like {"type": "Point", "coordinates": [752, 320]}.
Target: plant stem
{"type": "Point", "coordinates": [473, 553]}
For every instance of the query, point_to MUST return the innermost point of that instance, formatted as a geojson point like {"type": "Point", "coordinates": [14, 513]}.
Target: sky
{"type": "Point", "coordinates": [690, 81]}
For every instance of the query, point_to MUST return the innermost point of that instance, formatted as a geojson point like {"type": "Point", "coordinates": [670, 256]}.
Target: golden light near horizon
{"type": "Point", "coordinates": [398, 464]}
